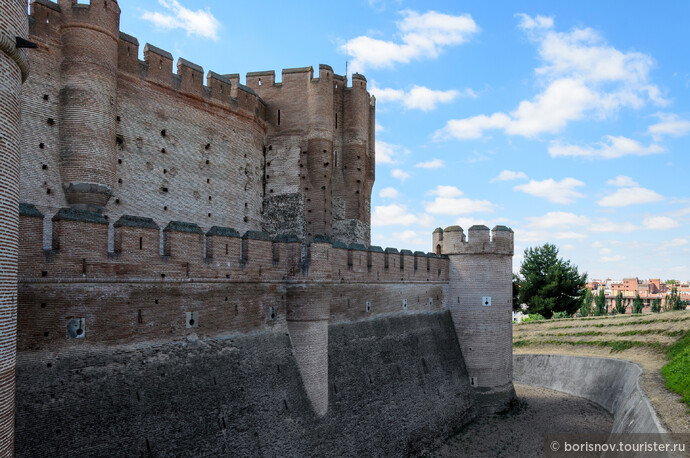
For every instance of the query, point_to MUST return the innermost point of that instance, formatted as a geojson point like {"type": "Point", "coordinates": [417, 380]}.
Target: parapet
{"type": "Point", "coordinates": [221, 254]}
{"type": "Point", "coordinates": [480, 240]}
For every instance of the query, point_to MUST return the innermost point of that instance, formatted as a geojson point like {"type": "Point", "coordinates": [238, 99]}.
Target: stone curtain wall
{"type": "Point", "coordinates": [13, 70]}
{"type": "Point", "coordinates": [396, 384]}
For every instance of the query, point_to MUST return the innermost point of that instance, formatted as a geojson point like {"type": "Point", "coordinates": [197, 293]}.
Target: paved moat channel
{"type": "Point", "coordinates": [520, 433]}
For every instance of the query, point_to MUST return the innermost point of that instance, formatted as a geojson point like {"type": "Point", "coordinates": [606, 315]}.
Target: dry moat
{"type": "Point", "coordinates": [520, 432]}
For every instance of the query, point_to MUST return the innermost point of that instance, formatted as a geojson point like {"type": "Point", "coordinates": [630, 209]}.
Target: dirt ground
{"type": "Point", "coordinates": [673, 414]}
{"type": "Point", "coordinates": [520, 433]}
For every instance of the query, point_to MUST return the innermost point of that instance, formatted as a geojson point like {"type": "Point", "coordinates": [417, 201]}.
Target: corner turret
{"type": "Point", "coordinates": [480, 297]}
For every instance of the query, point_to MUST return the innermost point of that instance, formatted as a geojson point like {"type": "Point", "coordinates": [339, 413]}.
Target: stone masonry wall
{"type": "Point", "coordinates": [396, 384]}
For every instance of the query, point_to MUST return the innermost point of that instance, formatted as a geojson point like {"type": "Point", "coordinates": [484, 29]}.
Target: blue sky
{"type": "Point", "coordinates": [567, 121]}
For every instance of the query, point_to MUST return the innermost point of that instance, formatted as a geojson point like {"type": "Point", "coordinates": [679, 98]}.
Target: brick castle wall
{"type": "Point", "coordinates": [13, 70]}
{"type": "Point", "coordinates": [105, 131]}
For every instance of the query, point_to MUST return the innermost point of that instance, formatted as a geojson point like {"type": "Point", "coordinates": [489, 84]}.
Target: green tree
{"type": "Point", "coordinates": [673, 301]}
{"type": "Point", "coordinates": [516, 291]}
{"type": "Point", "coordinates": [620, 308]}
{"type": "Point", "coordinates": [637, 304]}
{"type": "Point", "coordinates": [600, 304]}
{"type": "Point", "coordinates": [549, 284]}
{"type": "Point", "coordinates": [656, 305]}
{"type": "Point", "coordinates": [586, 307]}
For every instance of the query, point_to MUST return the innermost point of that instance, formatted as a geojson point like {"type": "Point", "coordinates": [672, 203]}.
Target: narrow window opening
{"type": "Point", "coordinates": [44, 167]}
{"type": "Point", "coordinates": [129, 52]}
{"type": "Point", "coordinates": [163, 133]}
{"type": "Point", "coordinates": [119, 161]}
{"type": "Point", "coordinates": [278, 117]}
{"type": "Point", "coordinates": [207, 147]}
{"type": "Point", "coordinates": [41, 145]}
{"type": "Point", "coordinates": [141, 243]}
{"type": "Point", "coordinates": [259, 81]}
{"type": "Point", "coordinates": [165, 208]}
{"type": "Point", "coordinates": [226, 252]}
{"type": "Point", "coordinates": [46, 97]}
{"type": "Point", "coordinates": [336, 120]}
{"type": "Point", "coordinates": [48, 191]}
{"type": "Point", "coordinates": [335, 159]}
{"type": "Point", "coordinates": [50, 121]}
{"type": "Point", "coordinates": [164, 189]}
{"type": "Point", "coordinates": [163, 150]}
{"type": "Point", "coordinates": [117, 201]}
{"type": "Point", "coordinates": [207, 162]}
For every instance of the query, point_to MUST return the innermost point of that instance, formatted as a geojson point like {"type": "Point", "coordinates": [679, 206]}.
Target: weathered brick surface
{"type": "Point", "coordinates": [481, 267]}
{"type": "Point", "coordinates": [183, 178]}
{"type": "Point", "coordinates": [13, 68]}
{"type": "Point", "coordinates": [395, 384]}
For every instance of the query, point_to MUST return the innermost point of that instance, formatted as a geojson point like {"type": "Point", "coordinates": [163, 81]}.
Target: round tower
{"type": "Point", "coordinates": [13, 70]}
{"type": "Point", "coordinates": [480, 297]}
{"type": "Point", "coordinates": [357, 164]}
{"type": "Point", "coordinates": [318, 205]}
{"type": "Point", "coordinates": [88, 94]}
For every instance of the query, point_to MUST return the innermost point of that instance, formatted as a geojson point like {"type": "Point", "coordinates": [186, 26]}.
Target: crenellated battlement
{"type": "Point", "coordinates": [480, 240]}
{"type": "Point", "coordinates": [189, 254]}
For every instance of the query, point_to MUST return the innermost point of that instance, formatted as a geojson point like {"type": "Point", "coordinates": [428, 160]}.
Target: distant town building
{"type": "Point", "coordinates": [648, 290]}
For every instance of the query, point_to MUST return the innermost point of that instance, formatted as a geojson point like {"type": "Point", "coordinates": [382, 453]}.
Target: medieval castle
{"type": "Point", "coordinates": [193, 263]}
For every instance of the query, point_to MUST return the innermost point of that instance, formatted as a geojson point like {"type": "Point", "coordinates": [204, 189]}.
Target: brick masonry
{"type": "Point", "coordinates": [160, 214]}
{"type": "Point", "coordinates": [13, 70]}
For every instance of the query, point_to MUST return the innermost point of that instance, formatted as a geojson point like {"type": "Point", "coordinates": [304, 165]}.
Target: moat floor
{"type": "Point", "coordinates": [520, 433]}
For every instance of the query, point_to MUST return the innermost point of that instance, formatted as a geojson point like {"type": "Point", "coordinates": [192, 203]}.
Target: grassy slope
{"type": "Point", "coordinates": [667, 333]}
{"type": "Point", "coordinates": [677, 371]}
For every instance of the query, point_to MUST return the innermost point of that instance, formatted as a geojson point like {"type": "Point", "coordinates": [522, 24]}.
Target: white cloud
{"type": "Point", "coordinates": [389, 193]}
{"type": "Point", "coordinates": [558, 192]}
{"type": "Point", "coordinates": [615, 258]}
{"type": "Point", "coordinates": [604, 225]}
{"type": "Point", "coordinates": [557, 219]}
{"type": "Point", "coordinates": [605, 251]}
{"type": "Point", "coordinates": [448, 201]}
{"type": "Point", "coordinates": [412, 237]}
{"type": "Point", "coordinates": [378, 127]}
{"type": "Point", "coordinates": [582, 76]}
{"type": "Point", "coordinates": [397, 215]}
{"type": "Point", "coordinates": [539, 22]}
{"type": "Point", "coordinates": [446, 191]}
{"type": "Point", "coordinates": [199, 22]}
{"type": "Point", "coordinates": [386, 153]}
{"type": "Point", "coordinates": [621, 181]}
{"type": "Point", "coordinates": [541, 236]}
{"type": "Point", "coordinates": [468, 221]}
{"type": "Point", "coordinates": [669, 124]}
{"type": "Point", "coordinates": [677, 242]}
{"type": "Point", "coordinates": [419, 97]}
{"type": "Point", "coordinates": [610, 148]}
{"type": "Point", "coordinates": [630, 196]}
{"type": "Point", "coordinates": [432, 164]}
{"type": "Point", "coordinates": [660, 223]}
{"type": "Point", "coordinates": [423, 36]}
{"type": "Point", "coordinates": [400, 174]}
{"type": "Point", "coordinates": [509, 175]}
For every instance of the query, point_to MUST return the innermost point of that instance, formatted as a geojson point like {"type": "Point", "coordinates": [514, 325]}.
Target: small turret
{"type": "Point", "coordinates": [90, 41]}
